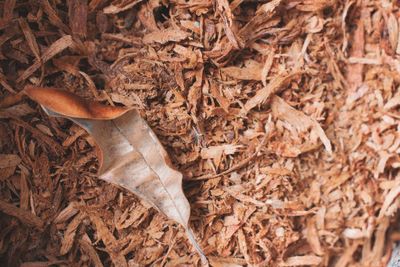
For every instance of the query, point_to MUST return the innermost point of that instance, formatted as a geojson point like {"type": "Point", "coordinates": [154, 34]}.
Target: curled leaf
{"type": "Point", "coordinates": [131, 155]}
{"type": "Point", "coordinates": [70, 105]}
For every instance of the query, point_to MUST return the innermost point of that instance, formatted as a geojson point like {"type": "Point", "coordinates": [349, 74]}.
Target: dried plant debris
{"type": "Point", "coordinates": [282, 116]}
{"type": "Point", "coordinates": [130, 154]}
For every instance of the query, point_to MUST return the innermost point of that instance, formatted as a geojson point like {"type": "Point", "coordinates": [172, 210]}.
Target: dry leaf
{"type": "Point", "coordinates": [132, 157]}
{"type": "Point", "coordinates": [70, 105]}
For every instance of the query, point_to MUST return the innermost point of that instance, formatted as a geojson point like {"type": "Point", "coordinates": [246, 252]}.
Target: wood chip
{"type": "Point", "coordinates": [308, 260]}
{"type": "Point", "coordinates": [108, 239]}
{"type": "Point", "coordinates": [77, 13]}
{"type": "Point", "coordinates": [58, 46]}
{"type": "Point", "coordinates": [265, 94]}
{"type": "Point", "coordinates": [165, 36]}
{"type": "Point", "coordinates": [24, 216]}
{"type": "Point", "coordinates": [70, 232]}
{"type": "Point", "coordinates": [298, 120]}
{"type": "Point", "coordinates": [120, 6]}
{"type": "Point", "coordinates": [9, 160]}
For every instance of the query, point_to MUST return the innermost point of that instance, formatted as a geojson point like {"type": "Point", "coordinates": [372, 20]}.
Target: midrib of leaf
{"type": "Point", "coordinates": [184, 222]}
{"type": "Point", "coordinates": [164, 187]}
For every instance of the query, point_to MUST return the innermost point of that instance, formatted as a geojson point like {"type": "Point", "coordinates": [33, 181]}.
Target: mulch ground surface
{"type": "Point", "coordinates": [283, 117]}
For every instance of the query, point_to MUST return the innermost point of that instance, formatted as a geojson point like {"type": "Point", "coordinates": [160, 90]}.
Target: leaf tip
{"type": "Point", "coordinates": [71, 105]}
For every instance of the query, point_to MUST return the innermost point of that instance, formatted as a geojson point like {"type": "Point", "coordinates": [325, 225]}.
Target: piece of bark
{"type": "Point", "coordinates": [77, 13]}
{"type": "Point", "coordinates": [26, 217]}
{"type": "Point", "coordinates": [55, 48]}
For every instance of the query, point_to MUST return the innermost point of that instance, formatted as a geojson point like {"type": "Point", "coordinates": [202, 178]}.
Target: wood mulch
{"type": "Point", "coordinates": [282, 115]}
